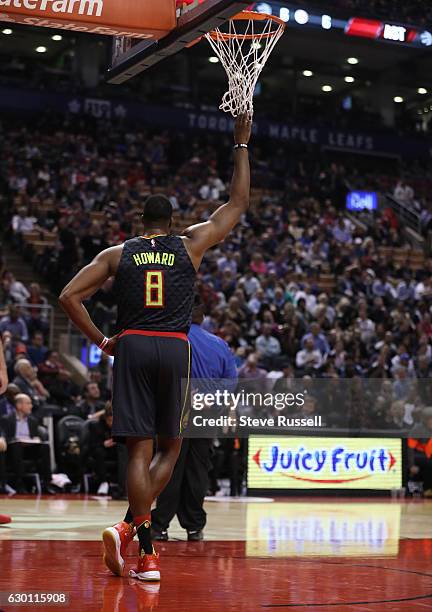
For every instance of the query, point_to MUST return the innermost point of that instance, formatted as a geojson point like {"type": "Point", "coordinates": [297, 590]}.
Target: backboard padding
{"type": "Point", "coordinates": [190, 26]}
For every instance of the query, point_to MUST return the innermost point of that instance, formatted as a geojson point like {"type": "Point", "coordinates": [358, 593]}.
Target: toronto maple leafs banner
{"type": "Point", "coordinates": [130, 111]}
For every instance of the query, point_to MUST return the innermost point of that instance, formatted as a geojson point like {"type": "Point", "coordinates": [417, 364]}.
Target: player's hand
{"type": "Point", "coordinates": [242, 129]}
{"type": "Point", "coordinates": [110, 347]}
{"type": "Point", "coordinates": [3, 381]}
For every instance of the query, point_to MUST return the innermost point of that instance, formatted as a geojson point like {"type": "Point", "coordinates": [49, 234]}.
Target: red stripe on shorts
{"type": "Point", "coordinates": [158, 334]}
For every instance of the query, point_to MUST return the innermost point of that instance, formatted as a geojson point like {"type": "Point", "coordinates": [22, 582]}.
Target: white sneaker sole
{"type": "Point", "coordinates": [112, 557]}
{"type": "Point", "coordinates": [153, 576]}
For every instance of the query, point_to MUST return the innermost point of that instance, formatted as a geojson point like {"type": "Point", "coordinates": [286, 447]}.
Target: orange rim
{"type": "Point", "coordinates": [248, 16]}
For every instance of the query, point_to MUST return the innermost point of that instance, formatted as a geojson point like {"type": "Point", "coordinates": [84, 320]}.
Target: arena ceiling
{"type": "Point", "coordinates": [401, 70]}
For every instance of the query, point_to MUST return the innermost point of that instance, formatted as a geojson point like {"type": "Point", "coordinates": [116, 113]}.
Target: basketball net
{"type": "Point", "coordinates": [243, 50]}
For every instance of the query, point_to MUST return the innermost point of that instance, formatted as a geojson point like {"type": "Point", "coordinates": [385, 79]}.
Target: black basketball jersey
{"type": "Point", "coordinates": [154, 285]}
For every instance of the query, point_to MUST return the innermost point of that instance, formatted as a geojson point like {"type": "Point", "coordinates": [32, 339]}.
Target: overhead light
{"type": "Point", "coordinates": [41, 49]}
{"type": "Point", "coordinates": [307, 73]}
{"type": "Point", "coordinates": [398, 99]}
{"type": "Point", "coordinates": [327, 88]}
{"type": "Point", "coordinates": [213, 59]}
{"type": "Point", "coordinates": [426, 109]}
{"type": "Point", "coordinates": [349, 79]}
{"type": "Point", "coordinates": [326, 22]}
{"type": "Point", "coordinates": [57, 37]}
{"type": "Point", "coordinates": [422, 91]}
{"type": "Point", "coordinates": [7, 31]}
{"type": "Point", "coordinates": [301, 17]}
{"type": "Point", "coordinates": [353, 61]}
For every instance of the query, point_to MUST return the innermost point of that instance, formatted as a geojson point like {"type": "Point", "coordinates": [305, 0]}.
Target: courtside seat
{"type": "Point", "coordinates": [68, 427]}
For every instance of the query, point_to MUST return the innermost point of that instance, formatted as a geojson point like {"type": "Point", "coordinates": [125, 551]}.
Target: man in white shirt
{"type": "Point", "coordinates": [366, 327]}
{"type": "Point", "coordinates": [213, 189]}
{"type": "Point", "coordinates": [309, 357]}
{"type": "Point", "coordinates": [22, 222]}
{"type": "Point", "coordinates": [250, 283]}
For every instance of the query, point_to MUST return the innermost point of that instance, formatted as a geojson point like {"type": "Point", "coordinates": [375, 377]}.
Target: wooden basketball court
{"type": "Point", "coordinates": [323, 554]}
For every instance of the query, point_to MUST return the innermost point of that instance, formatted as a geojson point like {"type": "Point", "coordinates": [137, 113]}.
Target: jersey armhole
{"type": "Point", "coordinates": [182, 238]}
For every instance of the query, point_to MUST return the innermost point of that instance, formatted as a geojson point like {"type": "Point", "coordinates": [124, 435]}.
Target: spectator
{"type": "Point", "coordinates": [24, 443]}
{"type": "Point", "coordinates": [28, 383]}
{"type": "Point", "coordinates": [7, 401]}
{"type": "Point", "coordinates": [102, 449]}
{"type": "Point", "coordinates": [404, 193]}
{"type": "Point", "coordinates": [266, 344]}
{"type": "Point", "coordinates": [319, 340]}
{"type": "Point", "coordinates": [251, 374]}
{"type": "Point", "coordinates": [91, 406]}
{"type": "Point", "coordinates": [420, 451]}
{"type": "Point", "coordinates": [15, 324]}
{"type": "Point", "coordinates": [37, 311]}
{"type": "Point", "coordinates": [213, 189]}
{"type": "Point", "coordinates": [57, 380]}
{"type": "Point", "coordinates": [37, 351]}
{"type": "Point", "coordinates": [17, 289]}
{"type": "Point", "coordinates": [6, 296]}
{"type": "Point", "coordinates": [309, 357]}
{"type": "Point", "coordinates": [22, 222]}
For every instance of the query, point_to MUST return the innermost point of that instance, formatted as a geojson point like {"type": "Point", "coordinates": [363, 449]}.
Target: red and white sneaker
{"type": "Point", "coordinates": [116, 539]}
{"type": "Point", "coordinates": [148, 568]}
{"type": "Point", "coordinates": [5, 519]}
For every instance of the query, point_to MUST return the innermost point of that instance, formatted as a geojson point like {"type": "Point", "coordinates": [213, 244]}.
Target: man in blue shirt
{"type": "Point", "coordinates": [184, 494]}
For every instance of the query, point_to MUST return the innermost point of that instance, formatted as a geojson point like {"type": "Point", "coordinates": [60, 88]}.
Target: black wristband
{"type": "Point", "coordinates": [240, 145]}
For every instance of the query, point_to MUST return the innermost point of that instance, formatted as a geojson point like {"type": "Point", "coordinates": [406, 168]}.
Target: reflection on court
{"type": "Point", "coordinates": [325, 529]}
{"type": "Point", "coordinates": [285, 552]}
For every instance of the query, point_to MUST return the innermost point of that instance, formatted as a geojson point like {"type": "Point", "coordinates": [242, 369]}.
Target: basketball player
{"type": "Point", "coordinates": [154, 288]}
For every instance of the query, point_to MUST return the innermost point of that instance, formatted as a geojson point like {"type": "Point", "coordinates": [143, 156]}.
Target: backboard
{"type": "Point", "coordinates": [194, 18]}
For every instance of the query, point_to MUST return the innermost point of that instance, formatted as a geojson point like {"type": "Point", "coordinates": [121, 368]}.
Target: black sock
{"type": "Point", "coordinates": [144, 536]}
{"type": "Point", "coordinates": [128, 518]}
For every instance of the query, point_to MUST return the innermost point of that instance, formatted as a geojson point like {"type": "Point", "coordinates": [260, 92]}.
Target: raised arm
{"type": "Point", "coordinates": [198, 238]}
{"type": "Point", "coordinates": [83, 286]}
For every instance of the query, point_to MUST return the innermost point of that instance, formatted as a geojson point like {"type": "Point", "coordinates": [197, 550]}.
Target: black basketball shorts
{"type": "Point", "coordinates": [150, 384]}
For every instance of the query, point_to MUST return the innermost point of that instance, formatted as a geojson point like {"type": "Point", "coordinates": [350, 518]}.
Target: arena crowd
{"type": "Point", "coordinates": [299, 290]}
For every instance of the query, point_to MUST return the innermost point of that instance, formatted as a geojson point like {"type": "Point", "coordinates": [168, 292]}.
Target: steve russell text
{"type": "Point", "coordinates": [248, 421]}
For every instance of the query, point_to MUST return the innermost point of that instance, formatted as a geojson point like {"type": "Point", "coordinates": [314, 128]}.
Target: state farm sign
{"type": "Point", "coordinates": [110, 17]}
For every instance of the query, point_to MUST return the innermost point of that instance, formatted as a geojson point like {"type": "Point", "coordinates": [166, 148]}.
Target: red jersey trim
{"type": "Point", "coordinates": [162, 334]}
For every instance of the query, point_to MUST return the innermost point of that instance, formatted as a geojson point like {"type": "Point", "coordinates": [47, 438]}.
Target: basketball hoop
{"type": "Point", "coordinates": [243, 51]}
